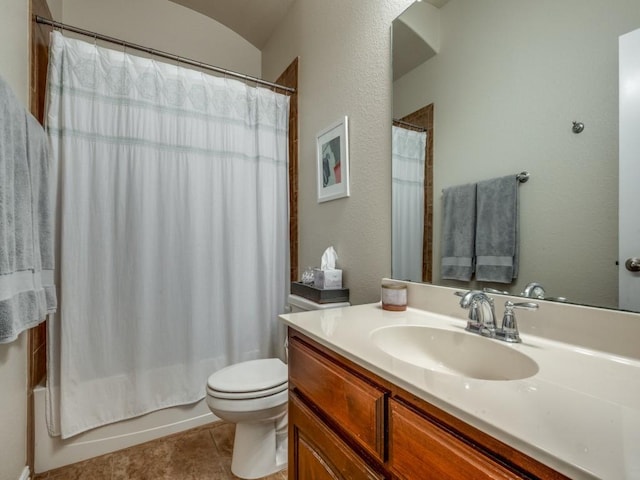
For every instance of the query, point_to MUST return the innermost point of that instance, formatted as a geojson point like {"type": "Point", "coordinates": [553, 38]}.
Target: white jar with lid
{"type": "Point", "coordinates": [394, 297]}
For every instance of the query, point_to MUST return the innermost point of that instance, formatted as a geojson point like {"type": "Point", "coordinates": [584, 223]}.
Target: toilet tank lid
{"type": "Point", "coordinates": [251, 376]}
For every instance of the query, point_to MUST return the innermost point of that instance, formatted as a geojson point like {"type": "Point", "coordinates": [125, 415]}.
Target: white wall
{"type": "Point", "coordinates": [162, 25]}
{"type": "Point", "coordinates": [344, 50]}
{"type": "Point", "coordinates": [14, 68]}
{"type": "Point", "coordinates": [510, 78]}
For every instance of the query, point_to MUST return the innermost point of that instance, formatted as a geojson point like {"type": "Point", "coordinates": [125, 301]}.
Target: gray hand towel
{"type": "Point", "coordinates": [27, 292]}
{"type": "Point", "coordinates": [497, 230]}
{"type": "Point", "coordinates": [458, 232]}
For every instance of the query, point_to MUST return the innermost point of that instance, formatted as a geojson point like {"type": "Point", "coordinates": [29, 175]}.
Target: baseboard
{"type": "Point", "coordinates": [25, 475]}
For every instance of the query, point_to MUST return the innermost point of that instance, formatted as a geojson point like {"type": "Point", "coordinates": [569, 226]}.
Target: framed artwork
{"type": "Point", "coordinates": [332, 146]}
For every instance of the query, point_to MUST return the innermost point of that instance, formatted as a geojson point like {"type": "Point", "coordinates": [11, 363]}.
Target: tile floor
{"type": "Point", "coordinates": [203, 453]}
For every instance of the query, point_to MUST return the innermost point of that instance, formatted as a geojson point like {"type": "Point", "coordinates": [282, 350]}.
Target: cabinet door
{"type": "Point", "coordinates": [355, 405]}
{"type": "Point", "coordinates": [316, 453]}
{"type": "Point", "coordinates": [421, 449]}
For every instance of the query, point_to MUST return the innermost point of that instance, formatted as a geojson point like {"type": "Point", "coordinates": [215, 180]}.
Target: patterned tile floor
{"type": "Point", "coordinates": [203, 453]}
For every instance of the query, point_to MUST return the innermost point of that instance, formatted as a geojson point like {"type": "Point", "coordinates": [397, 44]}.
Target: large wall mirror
{"type": "Point", "coordinates": [506, 80]}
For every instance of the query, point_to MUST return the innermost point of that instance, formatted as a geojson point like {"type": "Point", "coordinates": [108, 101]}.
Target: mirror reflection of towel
{"type": "Point", "coordinates": [458, 232]}
{"type": "Point", "coordinates": [497, 230]}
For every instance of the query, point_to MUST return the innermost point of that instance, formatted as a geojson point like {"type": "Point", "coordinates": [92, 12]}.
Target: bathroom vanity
{"type": "Point", "coordinates": [366, 404]}
{"type": "Point", "coordinates": [345, 419]}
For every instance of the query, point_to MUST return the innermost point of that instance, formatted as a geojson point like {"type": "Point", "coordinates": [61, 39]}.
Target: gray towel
{"type": "Point", "coordinates": [27, 293]}
{"type": "Point", "coordinates": [458, 232]}
{"type": "Point", "coordinates": [497, 230]}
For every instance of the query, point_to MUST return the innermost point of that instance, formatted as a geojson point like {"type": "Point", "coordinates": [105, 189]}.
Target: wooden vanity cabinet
{"type": "Point", "coordinates": [356, 406]}
{"type": "Point", "coordinates": [347, 423]}
{"type": "Point", "coordinates": [420, 445]}
{"type": "Point", "coordinates": [318, 452]}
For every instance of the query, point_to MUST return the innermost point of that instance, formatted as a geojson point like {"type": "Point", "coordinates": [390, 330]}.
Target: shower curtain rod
{"type": "Point", "coordinates": [402, 123]}
{"type": "Point", "coordinates": [158, 53]}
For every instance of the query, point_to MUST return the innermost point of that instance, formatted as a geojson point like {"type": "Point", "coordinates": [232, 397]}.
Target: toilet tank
{"type": "Point", "coordinates": [301, 304]}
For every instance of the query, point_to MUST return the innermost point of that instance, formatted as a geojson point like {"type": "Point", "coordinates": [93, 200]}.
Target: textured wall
{"type": "Point", "coordinates": [14, 64]}
{"type": "Point", "coordinates": [344, 50]}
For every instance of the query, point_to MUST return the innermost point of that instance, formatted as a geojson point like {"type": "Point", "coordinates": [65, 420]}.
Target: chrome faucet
{"type": "Point", "coordinates": [533, 290]}
{"type": "Point", "coordinates": [482, 314]}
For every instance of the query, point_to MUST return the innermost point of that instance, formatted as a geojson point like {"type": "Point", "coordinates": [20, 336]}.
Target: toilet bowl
{"type": "Point", "coordinates": [253, 395]}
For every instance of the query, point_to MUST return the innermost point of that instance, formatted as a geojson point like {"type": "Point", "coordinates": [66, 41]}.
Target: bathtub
{"type": "Point", "coordinates": [53, 452]}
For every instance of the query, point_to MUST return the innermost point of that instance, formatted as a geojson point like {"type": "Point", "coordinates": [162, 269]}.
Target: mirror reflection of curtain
{"type": "Point", "coordinates": [408, 149]}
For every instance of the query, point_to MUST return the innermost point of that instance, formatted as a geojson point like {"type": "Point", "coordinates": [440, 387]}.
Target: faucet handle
{"type": "Point", "coordinates": [493, 290]}
{"type": "Point", "coordinates": [509, 329]}
{"type": "Point", "coordinates": [522, 305]}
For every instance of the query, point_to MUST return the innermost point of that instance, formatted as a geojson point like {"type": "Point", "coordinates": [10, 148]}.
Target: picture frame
{"type": "Point", "coordinates": [332, 150]}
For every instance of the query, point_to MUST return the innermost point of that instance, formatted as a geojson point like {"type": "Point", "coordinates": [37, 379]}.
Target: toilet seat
{"type": "Point", "coordinates": [251, 379]}
{"type": "Point", "coordinates": [247, 395]}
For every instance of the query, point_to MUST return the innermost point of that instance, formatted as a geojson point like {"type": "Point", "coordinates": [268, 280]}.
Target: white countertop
{"type": "Point", "coordinates": [580, 414]}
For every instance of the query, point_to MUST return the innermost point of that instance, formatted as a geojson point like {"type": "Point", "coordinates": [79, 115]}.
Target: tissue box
{"type": "Point", "coordinates": [327, 279]}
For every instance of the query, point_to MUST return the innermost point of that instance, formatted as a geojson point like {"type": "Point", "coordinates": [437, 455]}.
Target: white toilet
{"type": "Point", "coordinates": [253, 395]}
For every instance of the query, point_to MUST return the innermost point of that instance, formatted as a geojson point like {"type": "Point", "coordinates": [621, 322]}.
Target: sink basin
{"type": "Point", "coordinates": [455, 353]}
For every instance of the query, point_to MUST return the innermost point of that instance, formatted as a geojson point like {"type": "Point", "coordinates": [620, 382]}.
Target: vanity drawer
{"type": "Point", "coordinates": [318, 453]}
{"type": "Point", "coordinates": [421, 449]}
{"type": "Point", "coordinates": [354, 405]}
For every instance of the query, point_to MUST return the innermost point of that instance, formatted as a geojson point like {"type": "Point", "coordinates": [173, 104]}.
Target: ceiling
{"type": "Point", "coordinates": [255, 20]}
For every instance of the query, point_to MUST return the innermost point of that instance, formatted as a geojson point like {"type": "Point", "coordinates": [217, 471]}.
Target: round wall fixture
{"type": "Point", "coordinates": [578, 127]}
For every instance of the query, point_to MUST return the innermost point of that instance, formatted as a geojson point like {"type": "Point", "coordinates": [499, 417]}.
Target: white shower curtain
{"type": "Point", "coordinates": [173, 217]}
{"type": "Point", "coordinates": [407, 212]}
